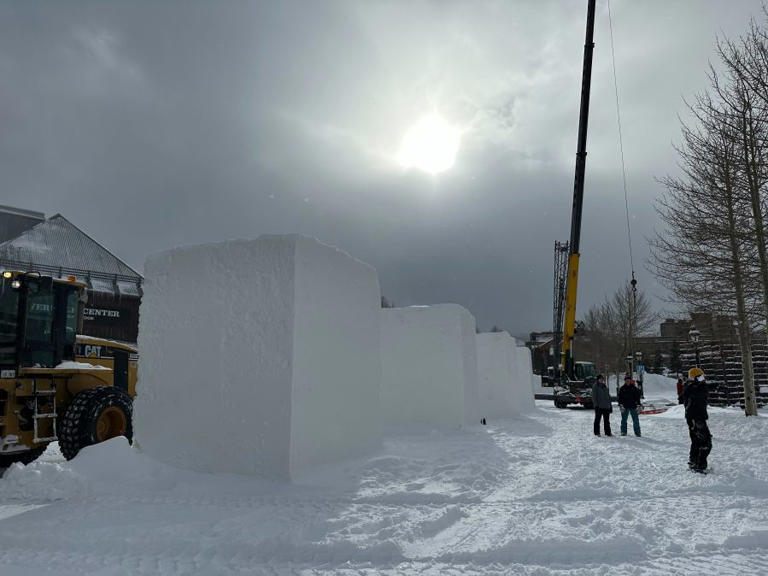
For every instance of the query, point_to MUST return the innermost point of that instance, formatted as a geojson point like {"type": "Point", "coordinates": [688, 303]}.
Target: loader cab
{"type": "Point", "coordinates": [585, 371]}
{"type": "Point", "coordinates": [38, 320]}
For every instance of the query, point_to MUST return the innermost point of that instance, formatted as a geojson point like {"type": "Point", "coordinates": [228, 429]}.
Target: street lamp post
{"type": "Point", "coordinates": [694, 335]}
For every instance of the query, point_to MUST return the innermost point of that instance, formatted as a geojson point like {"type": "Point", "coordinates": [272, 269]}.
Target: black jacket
{"type": "Point", "coordinates": [695, 400]}
{"type": "Point", "coordinates": [629, 396]}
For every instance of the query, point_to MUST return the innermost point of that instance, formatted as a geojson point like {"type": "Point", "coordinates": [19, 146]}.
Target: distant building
{"type": "Point", "coordinates": [542, 352]}
{"type": "Point", "coordinates": [14, 221]}
{"type": "Point", "coordinates": [673, 329]}
{"type": "Point", "coordinates": [56, 247]}
{"type": "Point", "coordinates": [714, 326]}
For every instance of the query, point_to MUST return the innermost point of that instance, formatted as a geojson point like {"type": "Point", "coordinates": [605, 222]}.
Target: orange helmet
{"type": "Point", "coordinates": [694, 372]}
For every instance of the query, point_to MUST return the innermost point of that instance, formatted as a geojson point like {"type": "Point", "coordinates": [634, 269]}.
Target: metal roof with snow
{"type": "Point", "coordinates": [14, 221]}
{"type": "Point", "coordinates": [58, 247]}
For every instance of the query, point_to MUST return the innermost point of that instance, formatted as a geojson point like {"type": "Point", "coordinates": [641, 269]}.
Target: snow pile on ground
{"type": "Point", "coordinates": [534, 495]}
{"type": "Point", "coordinates": [539, 388]}
{"type": "Point", "coordinates": [258, 356]}
{"type": "Point", "coordinates": [504, 383]}
{"type": "Point", "coordinates": [660, 389]}
{"type": "Point", "coordinates": [429, 367]}
{"type": "Point", "coordinates": [99, 469]}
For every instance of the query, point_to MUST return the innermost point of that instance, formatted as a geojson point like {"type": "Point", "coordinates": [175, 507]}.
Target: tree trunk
{"type": "Point", "coordinates": [747, 371]}
{"type": "Point", "coordinates": [745, 339]}
{"type": "Point", "coordinates": [752, 170]}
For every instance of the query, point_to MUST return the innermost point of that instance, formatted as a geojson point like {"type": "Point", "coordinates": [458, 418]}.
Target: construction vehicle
{"type": "Point", "coordinates": [573, 380]}
{"type": "Point", "coordinates": [54, 384]}
{"type": "Point", "coordinates": [577, 388]}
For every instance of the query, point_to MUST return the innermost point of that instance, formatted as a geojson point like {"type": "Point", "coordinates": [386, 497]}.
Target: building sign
{"type": "Point", "coordinates": [101, 313]}
{"type": "Point", "coordinates": [106, 316]}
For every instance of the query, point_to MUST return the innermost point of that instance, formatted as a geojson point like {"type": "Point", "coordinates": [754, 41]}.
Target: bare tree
{"type": "Point", "coordinates": [597, 340]}
{"type": "Point", "coordinates": [703, 254]}
{"type": "Point", "coordinates": [609, 327]}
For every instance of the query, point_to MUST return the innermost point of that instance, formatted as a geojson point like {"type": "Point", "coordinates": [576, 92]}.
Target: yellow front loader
{"type": "Point", "coordinates": [54, 384]}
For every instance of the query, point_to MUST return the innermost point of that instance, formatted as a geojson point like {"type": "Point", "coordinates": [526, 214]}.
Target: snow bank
{"type": "Point", "coordinates": [677, 412]}
{"type": "Point", "coordinates": [258, 356]}
{"type": "Point", "coordinates": [429, 367]}
{"type": "Point", "coordinates": [112, 465]}
{"type": "Point", "coordinates": [504, 379]}
{"type": "Point", "coordinates": [659, 388]}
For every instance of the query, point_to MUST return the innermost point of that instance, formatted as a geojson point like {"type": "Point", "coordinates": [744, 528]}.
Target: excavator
{"type": "Point", "coordinates": [55, 384]}
{"type": "Point", "coordinates": [573, 380]}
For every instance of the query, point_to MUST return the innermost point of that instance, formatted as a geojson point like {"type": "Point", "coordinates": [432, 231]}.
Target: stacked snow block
{"type": "Point", "coordinates": [497, 372]}
{"type": "Point", "coordinates": [504, 376]}
{"type": "Point", "coordinates": [429, 368]}
{"type": "Point", "coordinates": [523, 398]}
{"type": "Point", "coordinates": [258, 357]}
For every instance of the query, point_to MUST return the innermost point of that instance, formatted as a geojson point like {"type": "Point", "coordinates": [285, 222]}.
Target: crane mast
{"type": "Point", "coordinates": [578, 197]}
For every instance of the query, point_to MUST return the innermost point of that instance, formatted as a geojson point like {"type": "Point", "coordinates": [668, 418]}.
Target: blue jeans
{"type": "Point", "coordinates": [635, 421]}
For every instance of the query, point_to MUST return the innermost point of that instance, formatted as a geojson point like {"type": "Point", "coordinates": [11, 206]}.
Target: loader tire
{"type": "Point", "coordinates": [95, 415]}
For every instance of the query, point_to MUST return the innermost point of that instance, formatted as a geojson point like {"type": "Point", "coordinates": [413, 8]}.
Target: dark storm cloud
{"type": "Point", "coordinates": [157, 124]}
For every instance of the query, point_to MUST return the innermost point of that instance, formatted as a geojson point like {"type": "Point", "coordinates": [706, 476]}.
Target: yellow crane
{"type": "Point", "coordinates": [572, 378]}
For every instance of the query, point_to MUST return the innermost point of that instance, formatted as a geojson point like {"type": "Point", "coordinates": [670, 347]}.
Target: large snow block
{"type": "Point", "coordinates": [523, 395]}
{"type": "Point", "coordinates": [258, 357]}
{"type": "Point", "coordinates": [429, 367]}
{"type": "Point", "coordinates": [497, 372]}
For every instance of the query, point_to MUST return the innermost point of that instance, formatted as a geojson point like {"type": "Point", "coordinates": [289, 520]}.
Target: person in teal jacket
{"type": "Point", "coordinates": [629, 400]}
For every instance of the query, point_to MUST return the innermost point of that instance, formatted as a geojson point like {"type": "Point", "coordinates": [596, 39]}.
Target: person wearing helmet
{"type": "Point", "coordinates": [695, 400]}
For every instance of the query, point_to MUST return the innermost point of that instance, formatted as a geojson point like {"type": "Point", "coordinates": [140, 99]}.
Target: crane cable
{"type": "Point", "coordinates": [633, 318]}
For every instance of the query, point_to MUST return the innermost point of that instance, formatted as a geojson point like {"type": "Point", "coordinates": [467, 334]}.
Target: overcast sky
{"type": "Point", "coordinates": [157, 124]}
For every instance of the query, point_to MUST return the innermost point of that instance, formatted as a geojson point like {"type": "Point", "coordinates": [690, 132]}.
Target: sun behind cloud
{"type": "Point", "coordinates": [430, 145]}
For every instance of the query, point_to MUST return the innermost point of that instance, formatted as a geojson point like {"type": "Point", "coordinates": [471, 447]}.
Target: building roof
{"type": "Point", "coordinates": [14, 221]}
{"type": "Point", "coordinates": [59, 248]}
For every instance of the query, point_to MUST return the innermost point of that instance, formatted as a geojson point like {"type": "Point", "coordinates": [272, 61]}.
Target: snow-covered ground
{"type": "Point", "coordinates": [530, 495]}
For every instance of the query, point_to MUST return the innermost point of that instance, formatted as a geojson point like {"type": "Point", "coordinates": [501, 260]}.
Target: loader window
{"type": "Point", "coordinates": [70, 328]}
{"type": "Point", "coordinates": [9, 315]}
{"type": "Point", "coordinates": [39, 348]}
{"type": "Point", "coordinates": [585, 371]}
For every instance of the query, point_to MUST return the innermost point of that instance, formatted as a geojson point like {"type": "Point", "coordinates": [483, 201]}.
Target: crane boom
{"type": "Point", "coordinates": [578, 196]}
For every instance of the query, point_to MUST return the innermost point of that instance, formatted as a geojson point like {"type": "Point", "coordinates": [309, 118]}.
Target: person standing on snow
{"type": "Point", "coordinates": [601, 401]}
{"type": "Point", "coordinates": [629, 400]}
{"type": "Point", "coordinates": [695, 400]}
{"type": "Point", "coordinates": [680, 387]}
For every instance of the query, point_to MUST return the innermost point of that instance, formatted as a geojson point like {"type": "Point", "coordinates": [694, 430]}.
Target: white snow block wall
{"type": "Point", "coordinates": [258, 356]}
{"type": "Point", "coordinates": [497, 372]}
{"type": "Point", "coordinates": [524, 400]}
{"type": "Point", "coordinates": [429, 367]}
